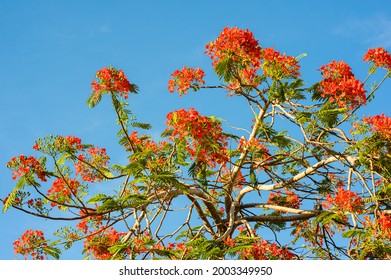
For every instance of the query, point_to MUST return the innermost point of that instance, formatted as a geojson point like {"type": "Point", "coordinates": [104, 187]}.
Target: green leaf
{"type": "Point", "coordinates": [63, 159]}
{"type": "Point", "coordinates": [351, 233]}
{"type": "Point", "coordinates": [94, 100]}
{"type": "Point", "coordinates": [281, 140]}
{"type": "Point", "coordinates": [329, 115]}
{"type": "Point", "coordinates": [133, 200]}
{"type": "Point", "coordinates": [98, 198]}
{"type": "Point", "coordinates": [134, 168]}
{"type": "Point", "coordinates": [324, 217]}
{"type": "Point", "coordinates": [223, 70]}
{"type": "Point", "coordinates": [134, 89]}
{"type": "Point", "coordinates": [118, 248]}
{"type": "Point", "coordinates": [12, 196]}
{"type": "Point", "coordinates": [303, 117]}
{"type": "Point", "coordinates": [300, 56]}
{"type": "Point", "coordinates": [106, 173]}
{"type": "Point", "coordinates": [52, 251]}
{"type": "Point", "coordinates": [316, 93]}
{"type": "Point", "coordinates": [108, 205]}
{"type": "Point", "coordinates": [145, 126]}
{"type": "Point", "coordinates": [192, 170]}
{"type": "Point", "coordinates": [229, 135]}
{"type": "Point", "coordinates": [253, 177]}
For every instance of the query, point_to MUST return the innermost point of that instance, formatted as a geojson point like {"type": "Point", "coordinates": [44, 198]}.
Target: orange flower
{"type": "Point", "coordinates": [236, 44]}
{"type": "Point", "coordinates": [111, 80]}
{"type": "Point", "coordinates": [263, 250]}
{"type": "Point", "coordinates": [183, 80]}
{"type": "Point", "coordinates": [340, 85]}
{"type": "Point", "coordinates": [344, 200]}
{"type": "Point", "coordinates": [88, 164]}
{"type": "Point", "coordinates": [380, 124]}
{"type": "Point", "coordinates": [289, 200]}
{"type": "Point", "coordinates": [278, 66]}
{"type": "Point", "coordinates": [62, 190]}
{"type": "Point", "coordinates": [203, 136]}
{"type": "Point", "coordinates": [98, 245]}
{"type": "Point", "coordinates": [385, 225]}
{"type": "Point", "coordinates": [31, 243]}
{"type": "Point", "coordinates": [380, 57]}
{"type": "Point", "coordinates": [23, 165]}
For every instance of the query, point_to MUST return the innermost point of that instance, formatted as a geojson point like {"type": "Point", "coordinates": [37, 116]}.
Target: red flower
{"type": "Point", "coordinates": [385, 221]}
{"type": "Point", "coordinates": [31, 243]}
{"type": "Point", "coordinates": [340, 85]}
{"type": "Point", "coordinates": [203, 136]}
{"type": "Point", "coordinates": [278, 66]}
{"type": "Point", "coordinates": [61, 191]}
{"type": "Point", "coordinates": [98, 244]}
{"type": "Point", "coordinates": [289, 200]}
{"type": "Point", "coordinates": [185, 79]}
{"type": "Point", "coordinates": [380, 124]}
{"type": "Point", "coordinates": [68, 142]}
{"type": "Point", "coordinates": [344, 200]}
{"type": "Point", "coordinates": [263, 250]}
{"type": "Point", "coordinates": [23, 165]}
{"type": "Point", "coordinates": [111, 80]}
{"type": "Point", "coordinates": [229, 242]}
{"type": "Point", "coordinates": [236, 44]}
{"type": "Point", "coordinates": [88, 164]}
{"type": "Point", "coordinates": [89, 218]}
{"type": "Point", "coordinates": [380, 57]}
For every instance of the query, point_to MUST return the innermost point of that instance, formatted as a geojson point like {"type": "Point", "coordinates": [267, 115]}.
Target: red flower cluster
{"type": "Point", "coordinates": [226, 177]}
{"type": "Point", "coordinates": [111, 80]}
{"type": "Point", "coordinates": [152, 150]}
{"type": "Point", "coordinates": [89, 218]}
{"type": "Point", "coordinates": [71, 142]}
{"type": "Point", "coordinates": [385, 224]}
{"type": "Point", "coordinates": [344, 200]}
{"type": "Point", "coordinates": [61, 191]}
{"type": "Point", "coordinates": [289, 200]}
{"type": "Point", "coordinates": [246, 77]}
{"type": "Point", "coordinates": [23, 165]}
{"type": "Point", "coordinates": [380, 57]}
{"type": "Point", "coordinates": [185, 79]}
{"type": "Point", "coordinates": [340, 85]}
{"type": "Point", "coordinates": [279, 66]}
{"type": "Point", "coordinates": [207, 142]}
{"type": "Point", "coordinates": [98, 244]}
{"type": "Point", "coordinates": [31, 243]}
{"type": "Point", "coordinates": [380, 124]}
{"type": "Point", "coordinates": [61, 143]}
{"type": "Point", "coordinates": [229, 242]}
{"type": "Point", "coordinates": [263, 250]}
{"type": "Point", "coordinates": [236, 44]}
{"type": "Point", "coordinates": [254, 145]}
{"type": "Point", "coordinates": [88, 164]}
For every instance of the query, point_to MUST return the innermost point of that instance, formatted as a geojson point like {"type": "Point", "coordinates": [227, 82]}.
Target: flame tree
{"type": "Point", "coordinates": [321, 186]}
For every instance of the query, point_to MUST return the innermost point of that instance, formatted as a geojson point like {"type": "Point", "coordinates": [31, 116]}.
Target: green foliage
{"type": "Point", "coordinates": [52, 251]}
{"type": "Point", "coordinates": [205, 249]}
{"type": "Point", "coordinates": [145, 126]}
{"type": "Point", "coordinates": [329, 115]}
{"type": "Point", "coordinates": [224, 70]}
{"type": "Point", "coordinates": [13, 195]}
{"type": "Point", "coordinates": [303, 117]}
{"type": "Point", "coordinates": [295, 147]}
{"type": "Point", "coordinates": [350, 233]}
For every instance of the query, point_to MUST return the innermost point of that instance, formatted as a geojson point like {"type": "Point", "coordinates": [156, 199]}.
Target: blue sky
{"type": "Point", "coordinates": [50, 51]}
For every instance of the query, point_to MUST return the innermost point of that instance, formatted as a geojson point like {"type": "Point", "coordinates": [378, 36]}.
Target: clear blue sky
{"type": "Point", "coordinates": [50, 51]}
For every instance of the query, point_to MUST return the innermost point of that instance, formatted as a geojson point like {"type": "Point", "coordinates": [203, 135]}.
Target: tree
{"type": "Point", "coordinates": [308, 169]}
